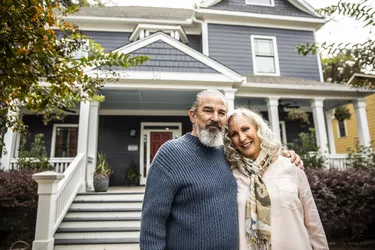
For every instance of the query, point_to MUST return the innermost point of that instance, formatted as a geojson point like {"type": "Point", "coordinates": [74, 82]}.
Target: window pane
{"type": "Point", "coordinates": [265, 65]}
{"type": "Point", "coordinates": [263, 47]}
{"type": "Point", "coordinates": [263, 2]}
{"type": "Point", "coordinates": [342, 130]}
{"type": "Point", "coordinates": [66, 141]}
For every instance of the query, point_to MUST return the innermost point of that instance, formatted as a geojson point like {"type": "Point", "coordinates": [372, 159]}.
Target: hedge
{"type": "Point", "coordinates": [346, 202]}
{"type": "Point", "coordinates": [18, 206]}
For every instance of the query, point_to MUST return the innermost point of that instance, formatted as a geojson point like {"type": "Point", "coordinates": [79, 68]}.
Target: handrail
{"type": "Point", "coordinates": [56, 193]}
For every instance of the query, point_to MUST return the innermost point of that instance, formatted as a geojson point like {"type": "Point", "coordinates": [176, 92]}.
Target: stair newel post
{"type": "Point", "coordinates": [46, 214]}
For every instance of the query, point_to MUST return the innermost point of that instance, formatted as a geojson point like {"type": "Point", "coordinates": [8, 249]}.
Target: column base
{"type": "Point", "coordinates": [43, 244]}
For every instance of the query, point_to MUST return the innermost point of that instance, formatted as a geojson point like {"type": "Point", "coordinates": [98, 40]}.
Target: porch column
{"type": "Point", "coordinates": [273, 115]}
{"type": "Point", "coordinates": [229, 96]}
{"type": "Point", "coordinates": [92, 145]}
{"type": "Point", "coordinates": [83, 136]}
{"type": "Point", "coordinates": [362, 123]}
{"type": "Point", "coordinates": [11, 139]}
{"type": "Point", "coordinates": [320, 126]}
{"type": "Point", "coordinates": [331, 138]}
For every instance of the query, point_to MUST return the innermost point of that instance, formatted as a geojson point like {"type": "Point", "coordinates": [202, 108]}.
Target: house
{"type": "Point", "coordinates": [244, 48]}
{"type": "Point", "coordinates": [346, 131]}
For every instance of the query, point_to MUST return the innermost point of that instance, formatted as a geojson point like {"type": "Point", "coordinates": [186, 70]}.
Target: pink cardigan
{"type": "Point", "coordinates": [295, 222]}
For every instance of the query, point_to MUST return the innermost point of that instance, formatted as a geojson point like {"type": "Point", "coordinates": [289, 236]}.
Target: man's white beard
{"type": "Point", "coordinates": [211, 138]}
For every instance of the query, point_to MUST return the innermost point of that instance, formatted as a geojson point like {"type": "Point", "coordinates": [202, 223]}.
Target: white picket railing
{"type": "Point", "coordinates": [338, 161]}
{"type": "Point", "coordinates": [59, 164]}
{"type": "Point", "coordinates": [56, 193]}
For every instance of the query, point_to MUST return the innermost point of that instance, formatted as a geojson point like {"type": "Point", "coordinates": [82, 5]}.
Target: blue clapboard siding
{"type": "Point", "coordinates": [165, 58]}
{"type": "Point", "coordinates": [231, 46]}
{"type": "Point", "coordinates": [282, 7]}
{"type": "Point", "coordinates": [114, 40]}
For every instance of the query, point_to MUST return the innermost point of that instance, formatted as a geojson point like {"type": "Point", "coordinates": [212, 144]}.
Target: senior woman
{"type": "Point", "coordinates": [276, 209]}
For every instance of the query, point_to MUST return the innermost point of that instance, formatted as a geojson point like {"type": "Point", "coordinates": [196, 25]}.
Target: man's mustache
{"type": "Point", "coordinates": [214, 124]}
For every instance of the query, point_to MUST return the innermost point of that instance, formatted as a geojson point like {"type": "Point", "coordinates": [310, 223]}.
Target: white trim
{"type": "Point", "coordinates": [262, 16]}
{"type": "Point", "coordinates": [283, 132]}
{"type": "Point", "coordinates": [160, 76]}
{"type": "Point", "coordinates": [53, 142]}
{"type": "Point", "coordinates": [272, 4]}
{"type": "Point", "coordinates": [338, 129]}
{"type": "Point", "coordinates": [155, 28]}
{"type": "Point", "coordinates": [126, 20]}
{"type": "Point", "coordinates": [175, 132]}
{"type": "Point", "coordinates": [319, 59]}
{"type": "Point", "coordinates": [132, 112]}
{"type": "Point", "coordinates": [234, 76]}
{"type": "Point", "coordinates": [340, 88]}
{"type": "Point", "coordinates": [205, 48]}
{"type": "Point", "coordinates": [276, 56]}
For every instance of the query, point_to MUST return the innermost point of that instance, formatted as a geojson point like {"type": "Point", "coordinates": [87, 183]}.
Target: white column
{"type": "Point", "coordinates": [331, 138]}
{"type": "Point", "coordinates": [229, 96]}
{"type": "Point", "coordinates": [83, 135]}
{"type": "Point", "coordinates": [92, 144]}
{"type": "Point", "coordinates": [11, 141]}
{"type": "Point", "coordinates": [320, 126]}
{"type": "Point", "coordinates": [45, 220]}
{"type": "Point", "coordinates": [362, 123]}
{"type": "Point", "coordinates": [273, 115]}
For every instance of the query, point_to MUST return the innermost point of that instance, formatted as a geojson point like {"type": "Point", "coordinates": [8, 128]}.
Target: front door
{"type": "Point", "coordinates": [157, 139]}
{"type": "Point", "coordinates": [153, 135]}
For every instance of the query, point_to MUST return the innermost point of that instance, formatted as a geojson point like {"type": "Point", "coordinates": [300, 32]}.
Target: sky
{"type": "Point", "coordinates": [338, 30]}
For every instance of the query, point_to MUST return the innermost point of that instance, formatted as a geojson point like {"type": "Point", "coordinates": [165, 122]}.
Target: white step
{"type": "Point", "coordinates": [99, 247]}
{"type": "Point", "coordinates": [89, 215]}
{"type": "Point", "coordinates": [107, 206]}
{"type": "Point", "coordinates": [113, 197]}
{"type": "Point", "coordinates": [99, 224]}
{"type": "Point", "coordinates": [97, 235]}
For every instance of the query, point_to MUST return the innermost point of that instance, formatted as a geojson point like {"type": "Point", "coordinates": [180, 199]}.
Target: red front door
{"type": "Point", "coordinates": [157, 139]}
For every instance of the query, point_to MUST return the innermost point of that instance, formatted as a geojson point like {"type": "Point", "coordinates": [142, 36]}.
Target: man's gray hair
{"type": "Point", "coordinates": [207, 92]}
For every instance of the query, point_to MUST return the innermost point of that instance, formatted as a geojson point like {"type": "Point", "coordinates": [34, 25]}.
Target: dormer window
{"type": "Point", "coordinates": [144, 30]}
{"type": "Point", "coordinates": [261, 2]}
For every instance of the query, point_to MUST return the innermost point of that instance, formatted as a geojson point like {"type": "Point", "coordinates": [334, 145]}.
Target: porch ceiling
{"type": "Point", "coordinates": [147, 99]}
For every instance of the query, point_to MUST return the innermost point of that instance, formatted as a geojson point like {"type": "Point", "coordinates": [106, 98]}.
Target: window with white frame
{"type": "Point", "coordinates": [261, 2]}
{"type": "Point", "coordinates": [82, 50]}
{"type": "Point", "coordinates": [265, 56]}
{"type": "Point", "coordinates": [64, 140]}
{"type": "Point", "coordinates": [342, 129]}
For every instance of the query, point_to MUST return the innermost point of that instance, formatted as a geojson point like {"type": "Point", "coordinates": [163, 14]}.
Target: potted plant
{"type": "Point", "coordinates": [132, 176]}
{"type": "Point", "coordinates": [342, 113]}
{"type": "Point", "coordinates": [101, 175]}
{"type": "Point", "coordinates": [298, 115]}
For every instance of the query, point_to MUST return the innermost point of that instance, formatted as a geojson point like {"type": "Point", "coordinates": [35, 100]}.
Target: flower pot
{"type": "Point", "coordinates": [101, 183]}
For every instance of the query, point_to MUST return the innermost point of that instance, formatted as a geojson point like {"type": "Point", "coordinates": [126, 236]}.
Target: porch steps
{"type": "Point", "coordinates": [109, 220]}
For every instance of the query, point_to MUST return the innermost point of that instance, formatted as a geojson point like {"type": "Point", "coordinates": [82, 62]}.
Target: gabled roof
{"type": "Point", "coordinates": [300, 4]}
{"type": "Point", "coordinates": [200, 59]}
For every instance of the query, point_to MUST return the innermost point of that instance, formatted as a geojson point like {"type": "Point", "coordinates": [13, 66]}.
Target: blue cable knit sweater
{"type": "Point", "coordinates": [190, 200]}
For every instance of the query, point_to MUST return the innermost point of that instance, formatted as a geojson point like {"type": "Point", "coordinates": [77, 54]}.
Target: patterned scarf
{"type": "Point", "coordinates": [258, 203]}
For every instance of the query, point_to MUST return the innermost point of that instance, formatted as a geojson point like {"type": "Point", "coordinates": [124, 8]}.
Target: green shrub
{"type": "Point", "coordinates": [305, 146]}
{"type": "Point", "coordinates": [33, 157]}
{"type": "Point", "coordinates": [361, 157]}
{"type": "Point", "coordinates": [346, 202]}
{"type": "Point", "coordinates": [18, 206]}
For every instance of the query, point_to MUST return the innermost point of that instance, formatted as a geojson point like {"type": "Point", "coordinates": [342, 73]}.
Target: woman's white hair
{"type": "Point", "coordinates": [268, 141]}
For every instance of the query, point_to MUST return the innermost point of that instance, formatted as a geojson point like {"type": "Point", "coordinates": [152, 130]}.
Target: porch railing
{"type": "Point", "coordinates": [56, 193]}
{"type": "Point", "coordinates": [59, 164]}
{"type": "Point", "coordinates": [338, 161]}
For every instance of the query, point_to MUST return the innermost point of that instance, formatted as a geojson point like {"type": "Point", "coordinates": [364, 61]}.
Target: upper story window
{"type": "Point", "coordinates": [144, 30]}
{"type": "Point", "coordinates": [265, 56]}
{"type": "Point", "coordinates": [261, 2]}
{"type": "Point", "coordinates": [83, 49]}
{"type": "Point", "coordinates": [64, 140]}
{"type": "Point", "coordinates": [342, 129]}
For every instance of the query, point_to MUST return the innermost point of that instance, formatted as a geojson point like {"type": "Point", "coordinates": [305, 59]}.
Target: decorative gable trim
{"type": "Point", "coordinates": [176, 31]}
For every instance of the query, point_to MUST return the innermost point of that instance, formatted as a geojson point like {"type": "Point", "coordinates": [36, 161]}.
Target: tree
{"type": "Point", "coordinates": [363, 52]}
{"type": "Point", "coordinates": [37, 68]}
{"type": "Point", "coordinates": [340, 68]}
